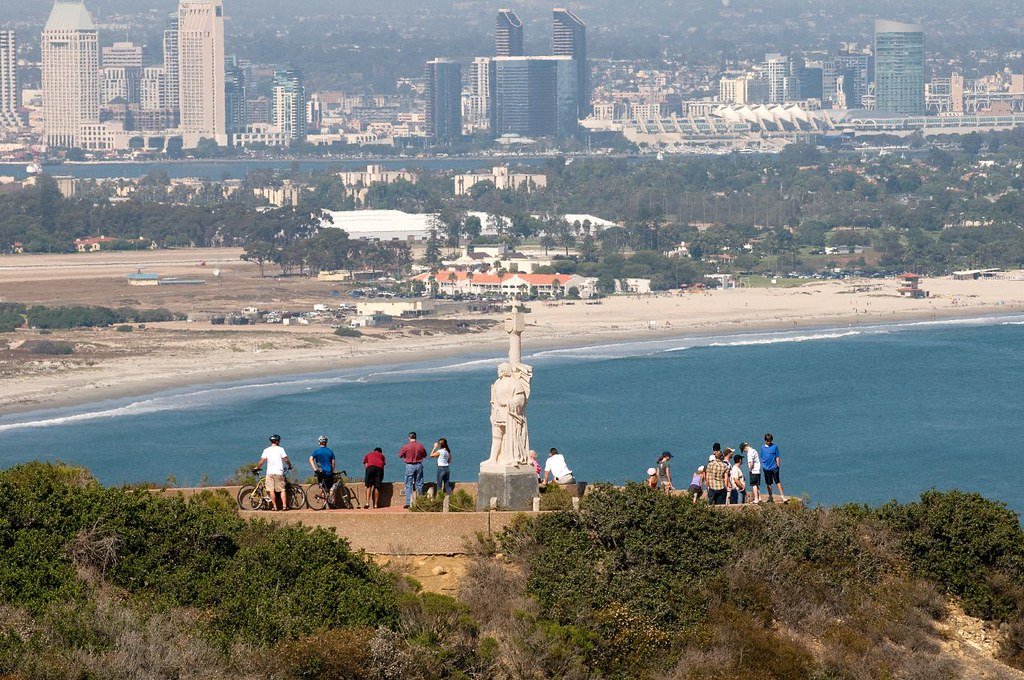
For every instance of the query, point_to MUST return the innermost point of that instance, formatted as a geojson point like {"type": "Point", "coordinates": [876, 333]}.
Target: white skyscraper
{"type": "Point", "coordinates": [71, 62]}
{"type": "Point", "coordinates": [201, 71]}
{"type": "Point", "coordinates": [479, 117]}
{"type": "Point", "coordinates": [9, 117]}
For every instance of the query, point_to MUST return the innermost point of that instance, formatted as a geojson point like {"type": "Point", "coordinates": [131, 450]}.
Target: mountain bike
{"type": "Point", "coordinates": [256, 496]}
{"type": "Point", "coordinates": [336, 495]}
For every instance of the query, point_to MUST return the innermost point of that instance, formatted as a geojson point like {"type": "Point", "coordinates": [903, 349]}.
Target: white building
{"type": "Point", "coordinates": [153, 95]}
{"type": "Point", "coordinates": [502, 180]}
{"type": "Point", "coordinates": [479, 114]}
{"type": "Point", "coordinates": [122, 55]}
{"type": "Point", "coordinates": [375, 174]}
{"type": "Point", "coordinates": [451, 282]}
{"type": "Point", "coordinates": [9, 94]}
{"type": "Point", "coordinates": [201, 71]}
{"type": "Point", "coordinates": [70, 73]}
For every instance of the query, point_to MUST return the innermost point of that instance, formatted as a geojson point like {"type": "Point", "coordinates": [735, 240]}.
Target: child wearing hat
{"type": "Point", "coordinates": [652, 478]}
{"type": "Point", "coordinates": [697, 484]}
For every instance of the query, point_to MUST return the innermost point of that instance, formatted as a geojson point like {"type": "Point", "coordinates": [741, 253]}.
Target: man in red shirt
{"type": "Point", "coordinates": [413, 454]}
{"type": "Point", "coordinates": [374, 462]}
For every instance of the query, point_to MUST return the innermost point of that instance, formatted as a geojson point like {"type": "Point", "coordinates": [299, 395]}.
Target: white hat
{"type": "Point", "coordinates": [711, 457]}
{"type": "Point", "coordinates": [652, 471]}
{"type": "Point", "coordinates": [700, 469]}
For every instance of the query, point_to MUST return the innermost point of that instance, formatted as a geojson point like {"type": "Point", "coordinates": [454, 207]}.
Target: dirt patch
{"type": "Point", "coordinates": [436, 573]}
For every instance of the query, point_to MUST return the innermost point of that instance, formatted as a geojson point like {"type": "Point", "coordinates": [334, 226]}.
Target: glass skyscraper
{"type": "Point", "coordinates": [444, 101]}
{"type": "Point", "coordinates": [508, 35]}
{"type": "Point", "coordinates": [534, 96]}
{"type": "Point", "coordinates": [899, 68]}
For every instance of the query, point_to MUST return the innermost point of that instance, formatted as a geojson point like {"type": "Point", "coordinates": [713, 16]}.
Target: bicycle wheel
{"type": "Point", "coordinates": [296, 496]}
{"type": "Point", "coordinates": [316, 499]}
{"type": "Point", "coordinates": [345, 498]}
{"type": "Point", "coordinates": [244, 496]}
{"type": "Point", "coordinates": [259, 498]}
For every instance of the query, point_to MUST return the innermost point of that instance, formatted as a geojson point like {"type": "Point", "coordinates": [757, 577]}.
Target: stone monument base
{"type": "Point", "coordinates": [514, 487]}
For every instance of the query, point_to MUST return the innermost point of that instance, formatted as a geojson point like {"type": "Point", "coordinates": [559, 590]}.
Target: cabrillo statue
{"type": "Point", "coordinates": [510, 437]}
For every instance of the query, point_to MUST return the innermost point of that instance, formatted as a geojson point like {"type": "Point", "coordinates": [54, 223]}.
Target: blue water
{"type": "Point", "coordinates": [864, 415]}
{"type": "Point", "coordinates": [238, 169]}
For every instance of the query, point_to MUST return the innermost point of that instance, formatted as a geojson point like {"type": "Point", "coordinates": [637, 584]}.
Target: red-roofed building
{"type": "Point", "coordinates": [911, 286]}
{"type": "Point", "coordinates": [454, 282]}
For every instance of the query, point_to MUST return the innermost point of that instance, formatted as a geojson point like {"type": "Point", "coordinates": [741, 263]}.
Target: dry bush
{"type": "Point", "coordinates": [340, 654]}
{"type": "Point", "coordinates": [93, 552]}
{"type": "Point", "coordinates": [492, 589]}
{"type": "Point", "coordinates": [393, 658]}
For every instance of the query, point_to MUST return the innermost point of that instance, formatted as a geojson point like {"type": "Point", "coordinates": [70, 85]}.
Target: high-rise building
{"type": "Point", "coordinates": [152, 89]}
{"type": "Point", "coordinates": [899, 68]}
{"type": "Point", "coordinates": [70, 73]}
{"type": "Point", "coordinates": [743, 89]}
{"type": "Point", "coordinates": [235, 90]}
{"type": "Point", "coordinates": [201, 71]}
{"type": "Point", "coordinates": [121, 84]}
{"type": "Point", "coordinates": [508, 35]}
{"type": "Point", "coordinates": [289, 109]}
{"type": "Point", "coordinates": [783, 81]}
{"type": "Point", "coordinates": [570, 39]}
{"type": "Point", "coordinates": [535, 96]}
{"type": "Point", "coordinates": [9, 93]}
{"type": "Point", "coordinates": [480, 94]}
{"type": "Point", "coordinates": [122, 55]}
{"type": "Point", "coordinates": [444, 101]}
{"type": "Point", "coordinates": [171, 84]}
{"type": "Point", "coordinates": [855, 70]}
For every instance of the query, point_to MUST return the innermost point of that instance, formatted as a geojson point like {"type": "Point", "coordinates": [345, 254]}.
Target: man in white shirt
{"type": "Point", "coordinates": [754, 464]}
{"type": "Point", "coordinates": [276, 459]}
{"type": "Point", "coordinates": [556, 468]}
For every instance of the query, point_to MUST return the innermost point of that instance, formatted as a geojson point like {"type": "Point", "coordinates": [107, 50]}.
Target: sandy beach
{"type": "Point", "coordinates": [179, 354]}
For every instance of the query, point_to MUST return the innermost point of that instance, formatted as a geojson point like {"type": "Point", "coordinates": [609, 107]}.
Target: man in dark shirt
{"type": "Point", "coordinates": [374, 462]}
{"type": "Point", "coordinates": [413, 454]}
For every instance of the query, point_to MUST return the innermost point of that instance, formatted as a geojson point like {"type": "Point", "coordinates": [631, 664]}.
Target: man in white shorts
{"type": "Point", "coordinates": [754, 464]}
{"type": "Point", "coordinates": [556, 468]}
{"type": "Point", "coordinates": [276, 459]}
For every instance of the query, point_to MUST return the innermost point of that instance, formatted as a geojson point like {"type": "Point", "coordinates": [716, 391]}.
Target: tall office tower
{"type": "Point", "coordinates": [535, 96]}
{"type": "Point", "coordinates": [444, 101]}
{"type": "Point", "coordinates": [508, 35]}
{"type": "Point", "coordinates": [855, 69]}
{"type": "Point", "coordinates": [783, 82]}
{"type": "Point", "coordinates": [289, 107]}
{"type": "Point", "coordinates": [235, 89]}
{"type": "Point", "coordinates": [570, 39]}
{"type": "Point", "coordinates": [899, 68]}
{"type": "Point", "coordinates": [70, 73]}
{"type": "Point", "coordinates": [171, 84]}
{"type": "Point", "coordinates": [9, 93]}
{"type": "Point", "coordinates": [121, 84]}
{"type": "Point", "coordinates": [257, 111]}
{"type": "Point", "coordinates": [152, 89]}
{"type": "Point", "coordinates": [122, 55]}
{"type": "Point", "coordinates": [201, 71]}
{"type": "Point", "coordinates": [811, 80]}
{"type": "Point", "coordinates": [480, 93]}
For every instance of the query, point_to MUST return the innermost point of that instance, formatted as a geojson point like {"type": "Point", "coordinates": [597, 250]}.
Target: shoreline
{"type": "Point", "coordinates": [494, 343]}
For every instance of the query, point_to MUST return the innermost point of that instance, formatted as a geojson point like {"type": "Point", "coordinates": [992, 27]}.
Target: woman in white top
{"type": "Point", "coordinates": [444, 464]}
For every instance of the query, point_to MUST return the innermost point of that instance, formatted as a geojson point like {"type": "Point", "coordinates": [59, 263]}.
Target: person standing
{"type": "Point", "coordinates": [322, 463]}
{"type": "Point", "coordinates": [738, 495]}
{"type": "Point", "coordinates": [754, 465]}
{"type": "Point", "coordinates": [413, 454]}
{"type": "Point", "coordinates": [374, 463]}
{"type": "Point", "coordinates": [444, 463]}
{"type": "Point", "coordinates": [277, 459]}
{"type": "Point", "coordinates": [717, 475]}
{"type": "Point", "coordinates": [771, 462]}
{"type": "Point", "coordinates": [664, 471]}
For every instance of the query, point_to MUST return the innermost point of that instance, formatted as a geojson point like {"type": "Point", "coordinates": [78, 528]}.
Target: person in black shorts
{"type": "Point", "coordinates": [374, 462]}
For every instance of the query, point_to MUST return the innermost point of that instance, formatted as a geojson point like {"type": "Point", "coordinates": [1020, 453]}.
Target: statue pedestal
{"type": "Point", "coordinates": [514, 487]}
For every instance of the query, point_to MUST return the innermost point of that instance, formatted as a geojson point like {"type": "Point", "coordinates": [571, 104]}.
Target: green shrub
{"type": "Point", "coordinates": [347, 332]}
{"type": "Point", "coordinates": [124, 328]}
{"type": "Point", "coordinates": [963, 541]}
{"type": "Point", "coordinates": [460, 501]}
{"type": "Point", "coordinates": [555, 497]}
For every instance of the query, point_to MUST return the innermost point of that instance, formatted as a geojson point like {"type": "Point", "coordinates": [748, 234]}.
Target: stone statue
{"type": "Point", "coordinates": [510, 439]}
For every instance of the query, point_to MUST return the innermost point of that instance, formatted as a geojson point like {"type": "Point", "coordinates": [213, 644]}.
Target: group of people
{"type": "Point", "coordinates": [322, 462]}
{"type": "Point", "coordinates": [722, 479]}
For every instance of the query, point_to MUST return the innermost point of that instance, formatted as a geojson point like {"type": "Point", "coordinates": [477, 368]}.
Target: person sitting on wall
{"type": "Point", "coordinates": [556, 468]}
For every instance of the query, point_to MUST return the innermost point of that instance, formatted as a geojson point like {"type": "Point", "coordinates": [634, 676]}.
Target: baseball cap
{"type": "Point", "coordinates": [652, 471]}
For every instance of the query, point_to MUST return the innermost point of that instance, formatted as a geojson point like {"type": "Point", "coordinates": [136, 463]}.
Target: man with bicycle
{"type": "Point", "coordinates": [277, 459]}
{"type": "Point", "coordinates": [322, 462]}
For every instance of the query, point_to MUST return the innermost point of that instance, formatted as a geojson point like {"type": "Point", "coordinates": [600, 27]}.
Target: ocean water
{"type": "Point", "coordinates": [861, 415]}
